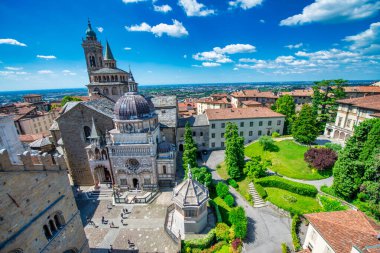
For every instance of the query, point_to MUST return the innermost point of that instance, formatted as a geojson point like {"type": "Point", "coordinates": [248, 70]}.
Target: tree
{"type": "Point", "coordinates": [285, 105]}
{"type": "Point", "coordinates": [234, 157]}
{"type": "Point", "coordinates": [229, 199]}
{"type": "Point", "coordinates": [238, 221]}
{"type": "Point", "coordinates": [222, 232]}
{"type": "Point", "coordinates": [320, 158]}
{"type": "Point", "coordinates": [202, 175]}
{"type": "Point", "coordinates": [256, 168]}
{"type": "Point", "coordinates": [222, 189]}
{"type": "Point", "coordinates": [267, 143]}
{"type": "Point", "coordinates": [189, 156]}
{"type": "Point", "coordinates": [304, 127]}
{"type": "Point", "coordinates": [66, 99]}
{"type": "Point", "coordinates": [326, 92]}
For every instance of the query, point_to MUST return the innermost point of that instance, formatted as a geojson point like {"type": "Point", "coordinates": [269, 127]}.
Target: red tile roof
{"type": "Point", "coordinates": [253, 93]}
{"type": "Point", "coordinates": [32, 95]}
{"type": "Point", "coordinates": [250, 102]}
{"type": "Point", "coordinates": [362, 89]}
{"type": "Point", "coordinates": [241, 113]}
{"type": "Point", "coordinates": [368, 102]}
{"type": "Point", "coordinates": [299, 93]}
{"type": "Point", "coordinates": [213, 101]}
{"type": "Point", "coordinates": [344, 229]}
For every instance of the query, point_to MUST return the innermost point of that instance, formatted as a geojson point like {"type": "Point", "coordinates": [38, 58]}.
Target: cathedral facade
{"type": "Point", "coordinates": [119, 136]}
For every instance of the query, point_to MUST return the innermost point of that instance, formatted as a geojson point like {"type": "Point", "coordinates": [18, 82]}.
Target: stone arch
{"type": "Point", "coordinates": [59, 219]}
{"type": "Point", "coordinates": [102, 174]}
{"type": "Point", "coordinates": [87, 131]}
{"type": "Point", "coordinates": [347, 136]}
{"type": "Point", "coordinates": [97, 154]}
{"type": "Point", "coordinates": [104, 154]}
{"type": "Point", "coordinates": [108, 78]}
{"type": "Point", "coordinates": [342, 135]}
{"type": "Point", "coordinates": [336, 134]}
{"type": "Point", "coordinates": [96, 89]}
{"type": "Point", "coordinates": [105, 91]}
{"type": "Point", "coordinates": [91, 154]}
{"type": "Point", "coordinates": [114, 91]}
{"type": "Point", "coordinates": [164, 169]}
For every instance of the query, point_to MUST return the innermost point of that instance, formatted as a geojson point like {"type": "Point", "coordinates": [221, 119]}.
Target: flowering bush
{"type": "Point", "coordinates": [321, 158]}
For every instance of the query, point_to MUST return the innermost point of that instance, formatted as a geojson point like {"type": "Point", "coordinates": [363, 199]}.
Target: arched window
{"type": "Point", "coordinates": [112, 78]}
{"type": "Point", "coordinates": [71, 251]}
{"type": "Point", "coordinates": [52, 226]}
{"type": "Point", "coordinates": [96, 90]}
{"type": "Point", "coordinates": [91, 60]}
{"type": "Point", "coordinates": [164, 169]}
{"type": "Point", "coordinates": [108, 78]}
{"type": "Point", "coordinates": [87, 131]}
{"type": "Point", "coordinates": [58, 219]}
{"type": "Point", "coordinates": [104, 155]}
{"type": "Point", "coordinates": [116, 78]}
{"type": "Point", "coordinates": [97, 154]}
{"type": "Point", "coordinates": [105, 91]}
{"type": "Point", "coordinates": [114, 91]}
{"type": "Point", "coordinates": [47, 232]}
{"type": "Point", "coordinates": [91, 154]}
{"type": "Point", "coordinates": [100, 62]}
{"type": "Point", "coordinates": [201, 133]}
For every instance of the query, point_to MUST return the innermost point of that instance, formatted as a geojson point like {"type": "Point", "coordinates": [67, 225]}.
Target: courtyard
{"type": "Point", "coordinates": [145, 225]}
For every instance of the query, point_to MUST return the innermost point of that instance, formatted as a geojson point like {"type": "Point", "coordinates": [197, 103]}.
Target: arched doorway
{"type": "Point", "coordinates": [342, 135]}
{"type": "Point", "coordinates": [181, 147]}
{"type": "Point", "coordinates": [135, 183]}
{"type": "Point", "coordinates": [103, 174]}
{"type": "Point", "coordinates": [336, 134]}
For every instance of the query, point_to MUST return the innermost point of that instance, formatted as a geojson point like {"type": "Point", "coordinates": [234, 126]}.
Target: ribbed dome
{"type": "Point", "coordinates": [131, 105]}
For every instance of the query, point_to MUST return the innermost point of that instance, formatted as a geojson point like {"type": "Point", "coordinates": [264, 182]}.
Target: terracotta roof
{"type": "Point", "coordinates": [241, 113]}
{"type": "Point", "coordinates": [22, 104]}
{"type": "Point", "coordinates": [368, 102]}
{"type": "Point", "coordinates": [250, 102]}
{"type": "Point", "coordinates": [30, 137]}
{"type": "Point", "coordinates": [344, 229]}
{"type": "Point", "coordinates": [253, 93]}
{"type": "Point", "coordinates": [370, 89]}
{"type": "Point", "coordinates": [298, 93]}
{"type": "Point", "coordinates": [32, 95]}
{"type": "Point", "coordinates": [219, 95]}
{"type": "Point", "coordinates": [213, 101]}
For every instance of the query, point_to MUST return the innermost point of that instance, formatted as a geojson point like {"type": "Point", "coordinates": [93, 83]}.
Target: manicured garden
{"type": "Point", "coordinates": [287, 160]}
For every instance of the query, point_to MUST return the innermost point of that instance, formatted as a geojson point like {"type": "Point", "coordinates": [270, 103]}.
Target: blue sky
{"type": "Point", "coordinates": [191, 41]}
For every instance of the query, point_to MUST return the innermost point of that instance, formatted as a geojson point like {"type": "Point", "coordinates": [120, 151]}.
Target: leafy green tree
{"type": "Point", "coordinates": [222, 232]}
{"type": "Point", "coordinates": [234, 157]}
{"type": "Point", "coordinates": [326, 92]}
{"type": "Point", "coordinates": [285, 105]}
{"type": "Point", "coordinates": [189, 156]}
{"type": "Point", "coordinates": [238, 221]}
{"type": "Point", "coordinates": [256, 168]}
{"type": "Point", "coordinates": [304, 127]}
{"type": "Point", "coordinates": [66, 99]}
{"type": "Point", "coordinates": [222, 189]}
{"type": "Point", "coordinates": [229, 199]}
{"type": "Point", "coordinates": [267, 143]}
{"type": "Point", "coordinates": [202, 175]}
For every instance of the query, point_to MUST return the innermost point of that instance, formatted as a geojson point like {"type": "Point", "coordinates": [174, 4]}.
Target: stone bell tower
{"type": "Point", "coordinates": [93, 50]}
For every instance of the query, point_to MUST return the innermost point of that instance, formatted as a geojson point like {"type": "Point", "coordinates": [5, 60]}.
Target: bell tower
{"type": "Point", "coordinates": [93, 51]}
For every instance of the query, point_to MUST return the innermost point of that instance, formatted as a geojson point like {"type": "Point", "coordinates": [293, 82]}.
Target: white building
{"type": "Point", "coordinates": [351, 112]}
{"type": "Point", "coordinates": [348, 231]}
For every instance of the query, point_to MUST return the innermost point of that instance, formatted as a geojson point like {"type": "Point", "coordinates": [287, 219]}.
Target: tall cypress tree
{"type": "Point", "coordinates": [234, 157]}
{"type": "Point", "coordinates": [190, 149]}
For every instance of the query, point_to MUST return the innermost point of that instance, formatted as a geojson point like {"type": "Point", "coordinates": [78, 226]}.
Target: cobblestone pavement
{"type": "Point", "coordinates": [145, 225]}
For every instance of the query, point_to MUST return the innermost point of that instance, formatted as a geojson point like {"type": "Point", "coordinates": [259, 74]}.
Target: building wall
{"type": "Point", "coordinates": [200, 136]}
{"type": "Point", "coordinates": [201, 107]}
{"type": "Point", "coordinates": [249, 132]}
{"type": "Point", "coordinates": [235, 101]}
{"type": "Point", "coordinates": [315, 242]}
{"type": "Point", "coordinates": [38, 124]}
{"type": "Point", "coordinates": [71, 126]}
{"type": "Point", "coordinates": [27, 207]}
{"type": "Point", "coordinates": [9, 139]}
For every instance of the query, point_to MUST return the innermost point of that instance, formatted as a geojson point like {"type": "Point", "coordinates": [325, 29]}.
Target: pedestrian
{"type": "Point", "coordinates": [111, 249]}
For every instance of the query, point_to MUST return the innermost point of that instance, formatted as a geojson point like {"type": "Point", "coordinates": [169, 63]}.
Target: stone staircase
{"type": "Point", "coordinates": [257, 200]}
{"type": "Point", "coordinates": [103, 194]}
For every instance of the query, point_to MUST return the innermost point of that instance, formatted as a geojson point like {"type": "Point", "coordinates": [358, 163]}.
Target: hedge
{"type": "Point", "coordinates": [217, 211]}
{"type": "Point", "coordinates": [261, 191]}
{"type": "Point", "coordinates": [296, 241]}
{"type": "Point", "coordinates": [201, 243]}
{"type": "Point", "coordinates": [232, 182]}
{"type": "Point", "coordinates": [295, 187]}
{"type": "Point", "coordinates": [229, 199]}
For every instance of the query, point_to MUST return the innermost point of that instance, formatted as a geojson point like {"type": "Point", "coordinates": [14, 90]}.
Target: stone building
{"type": "Point", "coordinates": [106, 80]}
{"type": "Point", "coordinates": [200, 126]}
{"type": "Point", "coordinates": [9, 139]}
{"type": "Point", "coordinates": [190, 213]}
{"type": "Point", "coordinates": [40, 214]}
{"type": "Point", "coordinates": [266, 98]}
{"type": "Point", "coordinates": [351, 112]}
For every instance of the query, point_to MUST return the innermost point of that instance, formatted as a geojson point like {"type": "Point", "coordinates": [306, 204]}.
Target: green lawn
{"type": "Point", "coordinates": [224, 249]}
{"type": "Point", "coordinates": [288, 160]}
{"type": "Point", "coordinates": [292, 202]}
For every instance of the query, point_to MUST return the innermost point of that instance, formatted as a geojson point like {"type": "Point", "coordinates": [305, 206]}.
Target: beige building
{"type": "Point", "coordinates": [361, 91]}
{"type": "Point", "coordinates": [212, 103]}
{"type": "Point", "coordinates": [300, 97]}
{"type": "Point", "coordinates": [253, 122]}
{"type": "Point", "coordinates": [351, 112]}
{"type": "Point", "coordinates": [348, 231]}
{"type": "Point", "coordinates": [200, 128]}
{"type": "Point", "coordinates": [35, 123]}
{"type": "Point", "coordinates": [266, 98]}
{"type": "Point", "coordinates": [33, 98]}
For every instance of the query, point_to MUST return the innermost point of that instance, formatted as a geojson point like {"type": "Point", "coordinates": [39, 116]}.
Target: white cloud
{"type": "Point", "coordinates": [163, 8]}
{"type": "Point", "coordinates": [14, 68]}
{"type": "Point", "coordinates": [245, 4]}
{"type": "Point", "coordinates": [127, 48]}
{"type": "Point", "coordinates": [210, 64]}
{"type": "Point", "coordinates": [46, 57]}
{"type": "Point", "coordinates": [45, 71]}
{"type": "Point", "coordinates": [211, 56]}
{"type": "Point", "coordinates": [67, 72]}
{"type": "Point", "coordinates": [12, 73]}
{"type": "Point", "coordinates": [193, 8]}
{"type": "Point", "coordinates": [100, 29]}
{"type": "Point", "coordinates": [235, 68]}
{"type": "Point", "coordinates": [327, 54]}
{"type": "Point", "coordinates": [132, 1]}
{"type": "Point", "coordinates": [12, 42]}
{"type": "Point", "coordinates": [175, 30]}
{"type": "Point", "coordinates": [262, 21]}
{"type": "Point", "coordinates": [294, 46]}
{"type": "Point", "coordinates": [334, 11]}
{"type": "Point", "coordinates": [367, 41]}
{"type": "Point", "coordinates": [236, 48]}
{"type": "Point", "coordinates": [185, 56]}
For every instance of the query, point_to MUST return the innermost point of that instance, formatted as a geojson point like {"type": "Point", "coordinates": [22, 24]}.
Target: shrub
{"type": "Point", "coordinates": [290, 199]}
{"type": "Point", "coordinates": [202, 175]}
{"type": "Point", "coordinates": [330, 204]}
{"type": "Point", "coordinates": [229, 199]}
{"type": "Point", "coordinates": [239, 221]}
{"type": "Point", "coordinates": [201, 243]}
{"type": "Point", "coordinates": [295, 187]}
{"type": "Point", "coordinates": [295, 224]}
{"type": "Point", "coordinates": [328, 190]}
{"type": "Point", "coordinates": [236, 244]}
{"type": "Point", "coordinates": [221, 189]}
{"type": "Point", "coordinates": [215, 247]}
{"type": "Point", "coordinates": [267, 143]}
{"type": "Point", "coordinates": [321, 158]}
{"type": "Point", "coordinates": [261, 191]}
{"type": "Point", "coordinates": [256, 168]}
{"type": "Point", "coordinates": [222, 232]}
{"type": "Point", "coordinates": [232, 182]}
{"type": "Point", "coordinates": [333, 146]}
{"type": "Point", "coordinates": [217, 211]}
{"type": "Point", "coordinates": [284, 248]}
{"type": "Point", "coordinates": [275, 135]}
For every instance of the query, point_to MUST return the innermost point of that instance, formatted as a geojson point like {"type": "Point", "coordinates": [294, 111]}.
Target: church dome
{"type": "Point", "coordinates": [131, 106]}
{"type": "Point", "coordinates": [89, 31]}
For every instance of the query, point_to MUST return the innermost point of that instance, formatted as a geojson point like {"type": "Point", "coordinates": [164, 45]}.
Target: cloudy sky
{"type": "Point", "coordinates": [191, 41]}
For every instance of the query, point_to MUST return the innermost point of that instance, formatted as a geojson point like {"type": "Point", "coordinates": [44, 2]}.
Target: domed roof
{"type": "Point", "coordinates": [130, 106]}
{"type": "Point", "coordinates": [190, 193]}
